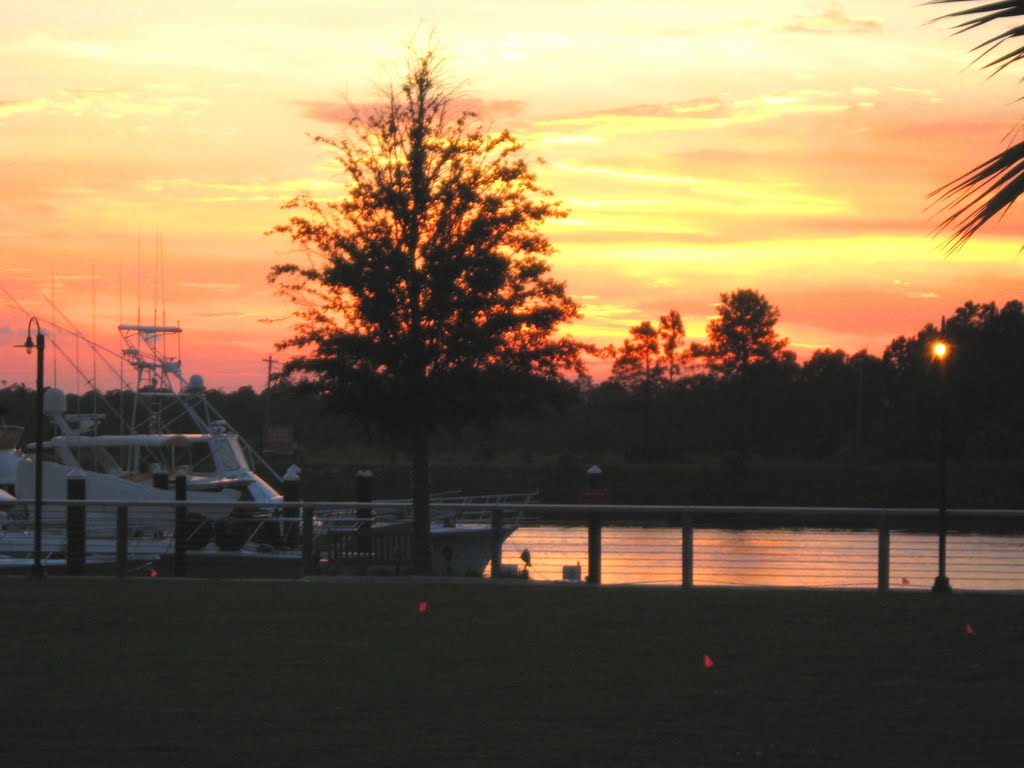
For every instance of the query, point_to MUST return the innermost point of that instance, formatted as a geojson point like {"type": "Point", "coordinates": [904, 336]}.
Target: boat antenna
{"type": "Point", "coordinates": [138, 279]}
{"type": "Point", "coordinates": [53, 314]}
{"type": "Point", "coordinates": [156, 272]}
{"type": "Point", "coordinates": [95, 383]}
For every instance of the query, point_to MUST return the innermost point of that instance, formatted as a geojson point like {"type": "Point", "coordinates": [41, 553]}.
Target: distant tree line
{"type": "Point", "coordinates": [740, 394]}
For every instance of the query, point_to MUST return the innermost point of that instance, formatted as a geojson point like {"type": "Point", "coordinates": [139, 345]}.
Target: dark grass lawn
{"type": "Point", "coordinates": [157, 672]}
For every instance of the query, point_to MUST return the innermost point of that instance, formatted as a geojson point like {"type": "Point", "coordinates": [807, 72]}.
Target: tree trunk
{"type": "Point", "coordinates": [420, 500]}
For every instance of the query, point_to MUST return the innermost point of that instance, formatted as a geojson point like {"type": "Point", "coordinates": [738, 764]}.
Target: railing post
{"type": "Point", "coordinates": [687, 524]}
{"type": "Point", "coordinates": [293, 493]}
{"type": "Point", "coordinates": [75, 524]}
{"type": "Point", "coordinates": [883, 553]}
{"type": "Point", "coordinates": [497, 523]}
{"type": "Point", "coordinates": [309, 556]}
{"type": "Point", "coordinates": [180, 522]}
{"type": "Point", "coordinates": [595, 493]}
{"type": "Point", "coordinates": [161, 479]}
{"type": "Point", "coordinates": [122, 541]}
{"type": "Point", "coordinates": [594, 548]}
{"type": "Point", "coordinates": [364, 495]}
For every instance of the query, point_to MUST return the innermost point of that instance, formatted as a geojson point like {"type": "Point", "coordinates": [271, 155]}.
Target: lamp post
{"type": "Point", "coordinates": [940, 351]}
{"type": "Point", "coordinates": [37, 547]}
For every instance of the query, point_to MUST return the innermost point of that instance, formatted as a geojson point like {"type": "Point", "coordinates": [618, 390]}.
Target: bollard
{"type": "Point", "coordinates": [122, 541]}
{"type": "Point", "coordinates": [364, 493]}
{"type": "Point", "coordinates": [161, 479]}
{"type": "Point", "coordinates": [180, 519]}
{"type": "Point", "coordinates": [75, 523]}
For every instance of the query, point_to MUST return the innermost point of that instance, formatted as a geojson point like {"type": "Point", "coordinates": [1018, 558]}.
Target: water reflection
{"type": "Point", "coordinates": [783, 558]}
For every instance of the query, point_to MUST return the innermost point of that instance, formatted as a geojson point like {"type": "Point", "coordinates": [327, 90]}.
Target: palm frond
{"type": "Point", "coordinates": [984, 193]}
{"type": "Point", "coordinates": [989, 190]}
{"type": "Point", "coordinates": [980, 14]}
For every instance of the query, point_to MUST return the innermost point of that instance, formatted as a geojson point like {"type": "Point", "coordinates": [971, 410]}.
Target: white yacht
{"type": "Point", "coordinates": [173, 430]}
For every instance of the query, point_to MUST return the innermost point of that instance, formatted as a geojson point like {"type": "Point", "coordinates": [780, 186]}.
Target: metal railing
{"type": "Point", "coordinates": [687, 545]}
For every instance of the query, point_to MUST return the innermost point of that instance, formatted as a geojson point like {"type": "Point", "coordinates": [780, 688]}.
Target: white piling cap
{"type": "Point", "coordinates": [364, 473]}
{"type": "Point", "coordinates": [595, 470]}
{"type": "Point", "coordinates": [76, 474]}
{"type": "Point", "coordinates": [291, 475]}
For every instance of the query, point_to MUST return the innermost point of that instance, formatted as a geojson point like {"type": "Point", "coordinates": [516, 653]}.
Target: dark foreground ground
{"type": "Point", "coordinates": [195, 673]}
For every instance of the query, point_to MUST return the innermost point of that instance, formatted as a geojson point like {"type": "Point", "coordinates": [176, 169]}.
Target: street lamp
{"type": "Point", "coordinates": [940, 351]}
{"type": "Point", "coordinates": [39, 345]}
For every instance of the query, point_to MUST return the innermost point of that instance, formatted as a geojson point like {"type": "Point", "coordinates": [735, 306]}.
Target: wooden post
{"type": "Point", "coordinates": [160, 478]}
{"type": "Point", "coordinates": [497, 523]}
{"type": "Point", "coordinates": [75, 523]}
{"type": "Point", "coordinates": [883, 553]}
{"type": "Point", "coordinates": [180, 522]}
{"type": "Point", "coordinates": [687, 550]}
{"type": "Point", "coordinates": [122, 541]}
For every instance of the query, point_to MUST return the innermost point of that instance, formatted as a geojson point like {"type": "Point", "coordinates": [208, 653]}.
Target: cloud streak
{"type": "Point", "coordinates": [834, 21]}
{"type": "Point", "coordinates": [341, 112]}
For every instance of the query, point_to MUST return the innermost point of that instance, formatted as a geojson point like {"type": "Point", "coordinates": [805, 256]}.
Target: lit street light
{"type": "Point", "coordinates": [37, 547]}
{"type": "Point", "coordinates": [940, 351]}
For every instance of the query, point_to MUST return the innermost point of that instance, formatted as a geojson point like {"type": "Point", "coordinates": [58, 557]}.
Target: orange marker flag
{"type": "Point", "coordinates": [970, 630]}
{"type": "Point", "coordinates": [906, 580]}
{"type": "Point", "coordinates": [423, 607]}
{"type": "Point", "coordinates": [708, 663]}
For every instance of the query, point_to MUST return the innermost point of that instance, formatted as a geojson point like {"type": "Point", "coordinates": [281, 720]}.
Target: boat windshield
{"type": "Point", "coordinates": [227, 453]}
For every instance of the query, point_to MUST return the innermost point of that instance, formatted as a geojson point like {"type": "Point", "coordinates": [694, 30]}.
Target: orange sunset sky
{"type": "Point", "coordinates": [786, 146]}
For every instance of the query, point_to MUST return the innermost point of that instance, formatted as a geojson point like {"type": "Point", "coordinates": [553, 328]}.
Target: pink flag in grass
{"type": "Point", "coordinates": [152, 573]}
{"type": "Point", "coordinates": [708, 663]}
{"type": "Point", "coordinates": [970, 630]}
{"type": "Point", "coordinates": [423, 606]}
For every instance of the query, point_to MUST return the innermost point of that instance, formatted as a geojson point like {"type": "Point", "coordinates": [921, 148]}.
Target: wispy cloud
{"type": "Point", "coordinates": [700, 114]}
{"type": "Point", "coordinates": [48, 46]}
{"type": "Point", "coordinates": [340, 111]}
{"type": "Point", "coordinates": [834, 21]}
{"type": "Point", "coordinates": [9, 108]}
{"type": "Point", "coordinates": [252, 191]}
{"type": "Point", "coordinates": [111, 104]}
{"type": "Point", "coordinates": [216, 287]}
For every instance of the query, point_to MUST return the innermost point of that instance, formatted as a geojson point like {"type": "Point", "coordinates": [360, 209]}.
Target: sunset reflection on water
{"type": "Point", "coordinates": [775, 558]}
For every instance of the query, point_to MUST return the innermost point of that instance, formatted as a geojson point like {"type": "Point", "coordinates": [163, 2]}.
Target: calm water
{"type": "Point", "coordinates": [792, 558]}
